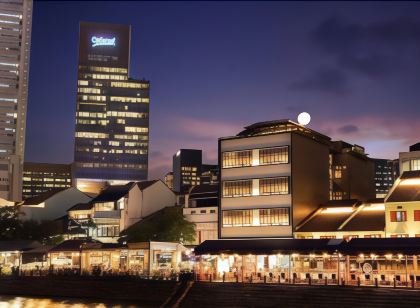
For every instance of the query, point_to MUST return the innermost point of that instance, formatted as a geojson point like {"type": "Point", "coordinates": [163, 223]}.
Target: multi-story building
{"type": "Point", "coordinates": [351, 172]}
{"type": "Point", "coordinates": [42, 177]}
{"type": "Point", "coordinates": [201, 207]}
{"type": "Point", "coordinates": [272, 175]}
{"type": "Point", "coordinates": [385, 176]}
{"type": "Point", "coordinates": [410, 161]}
{"type": "Point", "coordinates": [112, 114]}
{"type": "Point", "coordinates": [15, 42]}
{"type": "Point", "coordinates": [118, 207]}
{"type": "Point", "coordinates": [186, 169]}
{"type": "Point", "coordinates": [209, 174]}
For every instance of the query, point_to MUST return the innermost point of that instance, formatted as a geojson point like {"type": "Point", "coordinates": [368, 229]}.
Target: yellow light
{"type": "Point", "coordinates": [375, 207]}
{"type": "Point", "coordinates": [337, 210]}
{"type": "Point", "coordinates": [361, 255]}
{"type": "Point", "coordinates": [311, 256]}
{"type": "Point", "coordinates": [400, 256]}
{"type": "Point", "coordinates": [325, 255]}
{"type": "Point", "coordinates": [388, 256]}
{"type": "Point", "coordinates": [410, 182]}
{"type": "Point", "coordinates": [372, 256]}
{"type": "Point", "coordinates": [294, 255]}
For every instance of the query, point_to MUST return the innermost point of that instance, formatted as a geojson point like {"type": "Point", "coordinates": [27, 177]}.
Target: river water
{"type": "Point", "coordinates": [38, 302]}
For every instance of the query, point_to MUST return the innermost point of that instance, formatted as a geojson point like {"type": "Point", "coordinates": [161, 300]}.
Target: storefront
{"type": "Point", "coordinates": [11, 255]}
{"type": "Point", "coordinates": [307, 261]}
{"type": "Point", "coordinates": [103, 260]}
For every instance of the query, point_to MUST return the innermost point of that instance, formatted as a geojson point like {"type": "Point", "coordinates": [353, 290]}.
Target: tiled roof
{"type": "Point", "coordinates": [81, 207]}
{"type": "Point", "coordinates": [144, 184]}
{"type": "Point", "coordinates": [267, 246]}
{"type": "Point", "coordinates": [323, 222]}
{"type": "Point", "coordinates": [366, 221]}
{"type": "Point", "coordinates": [75, 245]}
{"type": "Point", "coordinates": [113, 193]}
{"type": "Point", "coordinates": [403, 190]}
{"type": "Point", "coordinates": [18, 245]}
{"type": "Point", "coordinates": [207, 189]}
{"type": "Point", "coordinates": [43, 197]}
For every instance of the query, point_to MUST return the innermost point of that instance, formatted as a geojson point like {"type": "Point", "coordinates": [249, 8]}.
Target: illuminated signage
{"type": "Point", "coordinates": [102, 41]}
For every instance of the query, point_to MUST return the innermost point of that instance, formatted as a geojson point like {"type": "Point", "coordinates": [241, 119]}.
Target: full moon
{"type": "Point", "coordinates": [304, 118]}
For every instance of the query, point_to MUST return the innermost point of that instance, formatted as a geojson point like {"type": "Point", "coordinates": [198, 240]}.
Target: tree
{"type": "Point", "coordinates": [10, 224]}
{"type": "Point", "coordinates": [166, 225]}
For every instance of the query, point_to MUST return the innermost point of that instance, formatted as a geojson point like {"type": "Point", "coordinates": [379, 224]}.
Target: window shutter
{"type": "Point", "coordinates": [417, 215]}
{"type": "Point", "coordinates": [393, 216]}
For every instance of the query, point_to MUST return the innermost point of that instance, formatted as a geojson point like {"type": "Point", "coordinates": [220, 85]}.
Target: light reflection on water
{"type": "Point", "coordinates": [28, 302]}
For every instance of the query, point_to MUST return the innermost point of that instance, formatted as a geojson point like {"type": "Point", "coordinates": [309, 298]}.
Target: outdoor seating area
{"type": "Point", "coordinates": [369, 262]}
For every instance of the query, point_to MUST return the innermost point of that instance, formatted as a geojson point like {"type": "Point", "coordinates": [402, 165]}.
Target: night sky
{"type": "Point", "coordinates": [216, 67]}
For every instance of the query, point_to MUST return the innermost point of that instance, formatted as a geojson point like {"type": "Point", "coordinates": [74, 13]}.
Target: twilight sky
{"type": "Point", "coordinates": [216, 67]}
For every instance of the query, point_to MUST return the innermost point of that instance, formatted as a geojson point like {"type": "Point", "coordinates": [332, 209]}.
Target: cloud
{"type": "Point", "coordinates": [325, 80]}
{"type": "Point", "coordinates": [382, 137]}
{"type": "Point", "coordinates": [374, 50]}
{"type": "Point", "coordinates": [348, 129]}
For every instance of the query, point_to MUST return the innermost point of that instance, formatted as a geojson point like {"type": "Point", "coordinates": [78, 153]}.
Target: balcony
{"type": "Point", "coordinates": [116, 214]}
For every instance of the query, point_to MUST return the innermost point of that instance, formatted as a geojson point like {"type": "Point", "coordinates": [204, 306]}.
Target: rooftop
{"type": "Point", "coordinates": [279, 126]}
{"type": "Point", "coordinates": [113, 193]}
{"type": "Point", "coordinates": [43, 196]}
{"type": "Point", "coordinates": [406, 188]}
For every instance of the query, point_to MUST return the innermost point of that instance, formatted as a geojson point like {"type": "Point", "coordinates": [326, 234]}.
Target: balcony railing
{"type": "Point", "coordinates": [107, 214]}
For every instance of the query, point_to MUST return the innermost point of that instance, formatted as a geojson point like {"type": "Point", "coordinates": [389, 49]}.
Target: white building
{"type": "Point", "coordinates": [15, 41]}
{"type": "Point", "coordinates": [410, 161]}
{"type": "Point", "coordinates": [53, 204]}
{"type": "Point", "coordinates": [119, 206]}
{"type": "Point", "coordinates": [201, 208]}
{"type": "Point", "coordinates": [272, 175]}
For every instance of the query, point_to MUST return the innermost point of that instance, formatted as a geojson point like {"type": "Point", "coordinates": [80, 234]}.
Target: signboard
{"type": "Point", "coordinates": [103, 44]}
{"type": "Point", "coordinates": [102, 41]}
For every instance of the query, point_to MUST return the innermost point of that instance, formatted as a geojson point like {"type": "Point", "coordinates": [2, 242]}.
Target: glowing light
{"type": "Point", "coordinates": [337, 210]}
{"type": "Point", "coordinates": [325, 255]}
{"type": "Point", "coordinates": [375, 207]}
{"type": "Point", "coordinates": [410, 182]}
{"type": "Point", "coordinates": [102, 41]}
{"type": "Point", "coordinates": [304, 118]}
{"type": "Point", "coordinates": [388, 256]}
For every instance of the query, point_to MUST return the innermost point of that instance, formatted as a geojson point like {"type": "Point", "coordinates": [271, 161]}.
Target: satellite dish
{"type": "Point", "coordinates": [304, 118]}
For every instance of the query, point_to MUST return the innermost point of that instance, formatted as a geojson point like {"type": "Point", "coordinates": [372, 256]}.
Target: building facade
{"type": "Point", "coordinates": [120, 206]}
{"type": "Point", "coordinates": [351, 172]}
{"type": "Point", "coordinates": [272, 175]}
{"type": "Point", "coordinates": [402, 206]}
{"type": "Point", "coordinates": [201, 208]}
{"type": "Point", "coordinates": [112, 114]}
{"type": "Point", "coordinates": [410, 161]}
{"type": "Point", "coordinates": [15, 42]}
{"type": "Point", "coordinates": [186, 169]}
{"type": "Point", "coordinates": [384, 176]}
{"type": "Point", "coordinates": [42, 177]}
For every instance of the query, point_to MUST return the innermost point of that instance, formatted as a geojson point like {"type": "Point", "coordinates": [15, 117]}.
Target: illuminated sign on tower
{"type": "Point", "coordinates": [102, 41]}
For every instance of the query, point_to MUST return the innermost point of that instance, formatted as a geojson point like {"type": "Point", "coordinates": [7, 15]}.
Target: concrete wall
{"type": "Point", "coordinates": [410, 227]}
{"type": "Point", "coordinates": [56, 206]}
{"type": "Point", "coordinates": [358, 179]}
{"type": "Point", "coordinates": [310, 176]}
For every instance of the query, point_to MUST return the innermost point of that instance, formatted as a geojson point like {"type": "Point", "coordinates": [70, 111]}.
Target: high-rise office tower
{"type": "Point", "coordinates": [15, 42]}
{"type": "Point", "coordinates": [186, 165]}
{"type": "Point", "coordinates": [112, 115]}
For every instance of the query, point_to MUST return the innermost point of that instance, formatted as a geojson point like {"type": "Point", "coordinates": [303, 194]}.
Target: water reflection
{"type": "Point", "coordinates": [28, 302]}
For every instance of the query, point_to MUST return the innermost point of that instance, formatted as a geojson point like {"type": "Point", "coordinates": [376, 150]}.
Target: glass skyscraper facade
{"type": "Point", "coordinates": [112, 114]}
{"type": "Point", "coordinates": [15, 42]}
